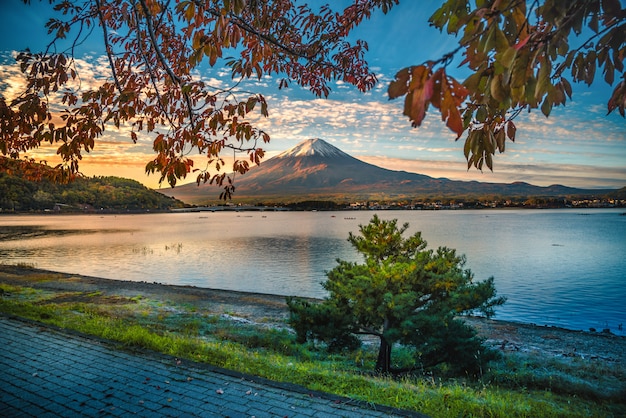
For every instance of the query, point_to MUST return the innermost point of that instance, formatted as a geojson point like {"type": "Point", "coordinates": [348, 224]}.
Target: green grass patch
{"type": "Point", "coordinates": [273, 354]}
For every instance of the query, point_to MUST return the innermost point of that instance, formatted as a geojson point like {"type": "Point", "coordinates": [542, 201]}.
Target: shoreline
{"type": "Point", "coordinates": [252, 208]}
{"type": "Point", "coordinates": [132, 288]}
{"type": "Point", "coordinates": [271, 310]}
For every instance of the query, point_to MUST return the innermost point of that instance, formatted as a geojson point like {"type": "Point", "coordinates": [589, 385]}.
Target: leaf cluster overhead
{"type": "Point", "coordinates": [521, 55]}
{"type": "Point", "coordinates": [155, 50]}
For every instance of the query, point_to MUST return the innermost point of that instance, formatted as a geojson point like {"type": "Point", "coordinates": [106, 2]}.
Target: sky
{"type": "Point", "coordinates": [577, 146]}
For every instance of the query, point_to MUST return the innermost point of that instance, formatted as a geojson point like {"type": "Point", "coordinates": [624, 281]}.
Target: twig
{"type": "Point", "coordinates": [108, 46]}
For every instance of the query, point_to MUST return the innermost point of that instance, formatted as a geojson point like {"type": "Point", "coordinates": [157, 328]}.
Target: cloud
{"type": "Point", "coordinates": [571, 175]}
{"type": "Point", "coordinates": [577, 146]}
{"type": "Point", "coordinates": [12, 82]}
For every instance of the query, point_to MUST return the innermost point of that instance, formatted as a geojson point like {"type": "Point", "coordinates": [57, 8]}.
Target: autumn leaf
{"type": "Point", "coordinates": [153, 51]}
{"type": "Point", "coordinates": [423, 88]}
{"type": "Point", "coordinates": [419, 94]}
{"type": "Point", "coordinates": [400, 85]}
{"type": "Point", "coordinates": [618, 99]}
{"type": "Point", "coordinates": [453, 94]}
{"type": "Point", "coordinates": [511, 130]}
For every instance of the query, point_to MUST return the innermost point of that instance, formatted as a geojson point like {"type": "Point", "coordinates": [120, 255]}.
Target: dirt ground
{"type": "Point", "coordinates": [506, 336]}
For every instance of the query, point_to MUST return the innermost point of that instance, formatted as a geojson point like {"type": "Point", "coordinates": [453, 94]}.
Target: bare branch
{"type": "Point", "coordinates": [177, 80]}
{"type": "Point", "coordinates": [150, 70]}
{"type": "Point", "coordinates": [107, 46]}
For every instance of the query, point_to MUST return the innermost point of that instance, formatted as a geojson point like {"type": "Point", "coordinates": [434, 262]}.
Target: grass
{"type": "Point", "coordinates": [513, 388]}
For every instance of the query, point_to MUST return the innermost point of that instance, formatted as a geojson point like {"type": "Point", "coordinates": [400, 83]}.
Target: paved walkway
{"type": "Point", "coordinates": [48, 373]}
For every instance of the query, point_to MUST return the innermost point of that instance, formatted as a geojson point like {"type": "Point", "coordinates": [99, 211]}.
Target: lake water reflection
{"type": "Point", "coordinates": [556, 267]}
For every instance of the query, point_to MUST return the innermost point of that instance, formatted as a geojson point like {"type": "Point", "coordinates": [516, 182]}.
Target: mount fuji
{"type": "Point", "coordinates": [314, 147]}
{"type": "Point", "coordinates": [317, 170]}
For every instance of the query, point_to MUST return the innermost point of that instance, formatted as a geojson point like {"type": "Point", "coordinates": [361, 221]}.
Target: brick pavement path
{"type": "Point", "coordinates": [48, 373]}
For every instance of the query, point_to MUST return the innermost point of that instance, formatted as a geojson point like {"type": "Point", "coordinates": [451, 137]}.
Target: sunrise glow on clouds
{"type": "Point", "coordinates": [577, 146]}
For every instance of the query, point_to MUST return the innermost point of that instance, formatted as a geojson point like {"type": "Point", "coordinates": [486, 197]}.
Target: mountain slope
{"type": "Point", "coordinates": [81, 195]}
{"type": "Point", "coordinates": [315, 164]}
{"type": "Point", "coordinates": [315, 169]}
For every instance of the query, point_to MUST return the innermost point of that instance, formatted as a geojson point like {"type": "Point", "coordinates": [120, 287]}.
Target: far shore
{"type": "Point", "coordinates": [255, 208]}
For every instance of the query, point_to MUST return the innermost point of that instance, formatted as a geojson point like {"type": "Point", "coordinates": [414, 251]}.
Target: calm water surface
{"type": "Point", "coordinates": [556, 267]}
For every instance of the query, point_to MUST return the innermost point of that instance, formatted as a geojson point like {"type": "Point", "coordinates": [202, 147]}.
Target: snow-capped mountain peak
{"type": "Point", "coordinates": [313, 147]}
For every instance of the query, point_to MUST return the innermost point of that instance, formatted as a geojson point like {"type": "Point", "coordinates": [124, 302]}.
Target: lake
{"type": "Point", "coordinates": [563, 268]}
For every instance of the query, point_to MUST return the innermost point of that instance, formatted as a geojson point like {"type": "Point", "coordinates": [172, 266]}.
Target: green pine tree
{"type": "Point", "coordinates": [403, 293]}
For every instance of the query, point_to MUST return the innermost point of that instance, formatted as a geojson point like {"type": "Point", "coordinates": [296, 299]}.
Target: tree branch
{"type": "Point", "coordinates": [150, 70]}
{"type": "Point", "coordinates": [107, 46]}
{"type": "Point", "coordinates": [242, 24]}
{"type": "Point", "coordinates": [177, 80]}
{"type": "Point", "coordinates": [368, 331]}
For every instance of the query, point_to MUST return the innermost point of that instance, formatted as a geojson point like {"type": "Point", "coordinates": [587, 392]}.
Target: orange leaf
{"type": "Point", "coordinates": [452, 95]}
{"type": "Point", "coordinates": [399, 86]}
{"type": "Point", "coordinates": [418, 106]}
{"type": "Point", "coordinates": [450, 113]}
{"type": "Point", "coordinates": [419, 95]}
{"type": "Point", "coordinates": [455, 122]}
{"type": "Point", "coordinates": [419, 76]}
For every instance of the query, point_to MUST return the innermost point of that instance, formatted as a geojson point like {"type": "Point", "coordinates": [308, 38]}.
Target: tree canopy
{"type": "Point", "coordinates": [520, 55]}
{"type": "Point", "coordinates": [153, 48]}
{"type": "Point", "coordinates": [402, 294]}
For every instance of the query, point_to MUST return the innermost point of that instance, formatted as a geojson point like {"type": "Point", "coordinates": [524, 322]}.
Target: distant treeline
{"type": "Point", "coordinates": [80, 195]}
{"type": "Point", "coordinates": [613, 199]}
{"type": "Point", "coordinates": [315, 205]}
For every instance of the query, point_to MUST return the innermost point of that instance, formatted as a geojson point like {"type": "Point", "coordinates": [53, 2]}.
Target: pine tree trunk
{"type": "Point", "coordinates": [383, 363]}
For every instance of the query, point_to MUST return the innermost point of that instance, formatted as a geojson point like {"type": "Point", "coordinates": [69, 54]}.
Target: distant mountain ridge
{"type": "Point", "coordinates": [315, 169]}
